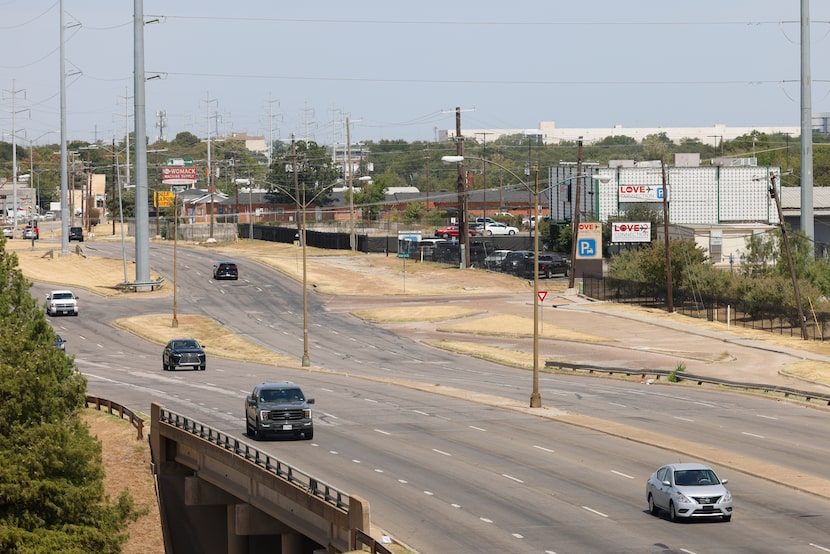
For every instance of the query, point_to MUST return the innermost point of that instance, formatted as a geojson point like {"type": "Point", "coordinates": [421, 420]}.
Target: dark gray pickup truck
{"type": "Point", "coordinates": [278, 409]}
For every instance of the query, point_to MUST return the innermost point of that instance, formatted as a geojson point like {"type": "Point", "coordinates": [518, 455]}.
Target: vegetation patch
{"type": "Point", "coordinates": [810, 370]}
{"type": "Point", "coordinates": [215, 339]}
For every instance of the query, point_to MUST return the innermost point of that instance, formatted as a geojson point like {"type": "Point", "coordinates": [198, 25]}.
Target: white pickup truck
{"type": "Point", "coordinates": [61, 302]}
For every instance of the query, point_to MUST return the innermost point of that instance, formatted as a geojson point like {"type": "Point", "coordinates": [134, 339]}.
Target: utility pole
{"type": "Point", "coordinates": [575, 219]}
{"type": "Point", "coordinates": [208, 101]}
{"type": "Point", "coordinates": [484, 178]}
{"type": "Point", "coordinates": [796, 291]}
{"type": "Point", "coordinates": [349, 181]}
{"type": "Point", "coordinates": [14, 92]}
{"type": "Point", "coordinates": [669, 292]}
{"type": "Point", "coordinates": [463, 236]}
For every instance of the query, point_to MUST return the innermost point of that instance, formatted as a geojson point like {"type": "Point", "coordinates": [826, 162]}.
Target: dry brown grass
{"type": "Point", "coordinates": [215, 339]}
{"type": "Point", "coordinates": [123, 455]}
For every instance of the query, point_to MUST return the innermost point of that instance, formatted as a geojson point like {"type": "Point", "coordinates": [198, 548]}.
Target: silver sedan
{"type": "Point", "coordinates": [687, 491]}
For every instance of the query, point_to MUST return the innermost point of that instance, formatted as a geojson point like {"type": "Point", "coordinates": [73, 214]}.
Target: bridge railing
{"type": "Point", "coordinates": [284, 471]}
{"type": "Point", "coordinates": [122, 411]}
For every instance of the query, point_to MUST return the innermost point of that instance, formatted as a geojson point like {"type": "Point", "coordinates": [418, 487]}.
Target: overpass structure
{"type": "Point", "coordinates": [218, 494]}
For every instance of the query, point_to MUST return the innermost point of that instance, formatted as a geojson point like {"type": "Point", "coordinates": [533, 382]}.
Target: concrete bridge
{"type": "Point", "coordinates": [218, 494]}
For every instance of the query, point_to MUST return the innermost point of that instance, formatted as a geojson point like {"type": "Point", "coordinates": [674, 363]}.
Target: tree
{"type": "Point", "coordinates": [371, 198]}
{"type": "Point", "coordinates": [51, 477]}
{"type": "Point", "coordinates": [315, 174]}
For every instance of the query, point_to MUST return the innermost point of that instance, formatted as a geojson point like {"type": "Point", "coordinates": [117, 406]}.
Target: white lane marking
{"type": "Point", "coordinates": [370, 400]}
{"type": "Point", "coordinates": [403, 481]}
{"type": "Point", "coordinates": [683, 418]}
{"type": "Point", "coordinates": [378, 470]}
{"type": "Point", "coordinates": [814, 545]}
{"type": "Point", "coordinates": [382, 432]}
{"type": "Point", "coordinates": [441, 452]}
{"type": "Point", "coordinates": [485, 520]}
{"type": "Point", "coordinates": [766, 416]}
{"type": "Point", "coordinates": [594, 511]}
{"type": "Point", "coordinates": [518, 536]}
{"type": "Point", "coordinates": [617, 404]}
{"type": "Point", "coordinates": [506, 476]}
{"type": "Point", "coordinates": [420, 412]}
{"type": "Point", "coordinates": [428, 493]}
{"type": "Point", "coordinates": [332, 416]}
{"type": "Point", "coordinates": [622, 474]}
{"type": "Point", "coordinates": [543, 448]}
{"type": "Point", "coordinates": [356, 461]}
{"type": "Point", "coordinates": [705, 404]}
{"type": "Point", "coordinates": [455, 505]}
{"type": "Point", "coordinates": [333, 452]}
{"type": "Point", "coordinates": [477, 428]}
{"type": "Point", "coordinates": [687, 551]}
{"type": "Point", "coordinates": [752, 435]}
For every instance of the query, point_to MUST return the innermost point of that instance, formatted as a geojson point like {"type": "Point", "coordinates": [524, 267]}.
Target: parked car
{"type": "Point", "coordinates": [513, 259]}
{"type": "Point", "coordinates": [497, 228]}
{"type": "Point", "coordinates": [76, 233]}
{"type": "Point", "coordinates": [688, 490]}
{"type": "Point", "coordinates": [183, 352]}
{"type": "Point", "coordinates": [61, 302]}
{"type": "Point", "coordinates": [494, 260]}
{"type": "Point", "coordinates": [31, 232]}
{"type": "Point", "coordinates": [8, 232]}
{"type": "Point", "coordinates": [485, 220]}
{"type": "Point", "coordinates": [550, 263]}
{"type": "Point", "coordinates": [451, 231]}
{"type": "Point", "coordinates": [225, 270]}
{"type": "Point", "coordinates": [48, 216]}
{"type": "Point", "coordinates": [427, 246]}
{"type": "Point", "coordinates": [450, 252]}
{"type": "Point", "coordinates": [278, 408]}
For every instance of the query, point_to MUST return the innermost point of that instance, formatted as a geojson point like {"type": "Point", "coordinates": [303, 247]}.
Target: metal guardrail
{"type": "Point", "coordinates": [284, 471]}
{"type": "Point", "coordinates": [112, 407]}
{"type": "Point", "coordinates": [361, 538]}
{"type": "Point", "coordinates": [807, 396]}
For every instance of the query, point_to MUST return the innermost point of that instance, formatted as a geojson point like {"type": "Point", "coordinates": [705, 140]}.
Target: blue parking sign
{"type": "Point", "coordinates": [586, 248]}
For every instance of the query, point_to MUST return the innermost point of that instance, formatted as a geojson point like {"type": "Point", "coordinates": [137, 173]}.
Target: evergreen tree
{"type": "Point", "coordinates": [51, 476]}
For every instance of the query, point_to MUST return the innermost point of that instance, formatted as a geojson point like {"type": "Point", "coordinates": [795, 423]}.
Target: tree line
{"type": "Point", "coordinates": [51, 473]}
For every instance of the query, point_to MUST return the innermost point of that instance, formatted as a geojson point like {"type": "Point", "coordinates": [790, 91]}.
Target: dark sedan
{"type": "Point", "coordinates": [183, 353]}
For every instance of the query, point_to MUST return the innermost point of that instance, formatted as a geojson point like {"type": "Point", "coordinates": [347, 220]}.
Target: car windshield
{"type": "Point", "coordinates": [185, 344]}
{"type": "Point", "coordinates": [62, 295]}
{"type": "Point", "coordinates": [281, 395]}
{"type": "Point", "coordinates": [695, 477]}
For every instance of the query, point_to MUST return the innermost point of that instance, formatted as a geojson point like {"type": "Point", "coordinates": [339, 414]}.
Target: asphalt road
{"type": "Point", "coordinates": [460, 472]}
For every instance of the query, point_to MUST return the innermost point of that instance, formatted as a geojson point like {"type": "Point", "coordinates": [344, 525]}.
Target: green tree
{"type": "Point", "coordinates": [315, 174]}
{"type": "Point", "coordinates": [371, 197]}
{"type": "Point", "coordinates": [51, 477]}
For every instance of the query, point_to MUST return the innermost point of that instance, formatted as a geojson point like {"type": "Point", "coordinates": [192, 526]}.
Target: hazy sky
{"type": "Point", "coordinates": [398, 69]}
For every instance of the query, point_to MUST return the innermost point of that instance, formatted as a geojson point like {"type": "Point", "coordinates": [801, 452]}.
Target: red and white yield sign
{"type": "Point", "coordinates": [542, 295]}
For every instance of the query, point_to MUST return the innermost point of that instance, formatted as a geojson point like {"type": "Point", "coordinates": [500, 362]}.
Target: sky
{"type": "Point", "coordinates": [398, 70]}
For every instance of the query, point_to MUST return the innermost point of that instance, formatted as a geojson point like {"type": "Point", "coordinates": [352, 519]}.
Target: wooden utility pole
{"type": "Point", "coordinates": [669, 292]}
{"type": "Point", "coordinates": [463, 234]}
{"type": "Point", "coordinates": [575, 222]}
{"type": "Point", "coordinates": [796, 291]}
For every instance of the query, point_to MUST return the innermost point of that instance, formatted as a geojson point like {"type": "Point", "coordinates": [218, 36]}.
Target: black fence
{"type": "Point", "coordinates": [733, 311]}
{"type": "Point", "coordinates": [379, 244]}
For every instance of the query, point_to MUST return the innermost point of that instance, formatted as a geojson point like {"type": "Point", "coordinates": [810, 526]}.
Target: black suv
{"type": "Point", "coordinates": [278, 408]}
{"type": "Point", "coordinates": [76, 233]}
{"type": "Point", "coordinates": [225, 270]}
{"type": "Point", "coordinates": [550, 263]}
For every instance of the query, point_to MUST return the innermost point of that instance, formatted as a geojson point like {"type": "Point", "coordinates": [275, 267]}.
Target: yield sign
{"type": "Point", "coordinates": [542, 295]}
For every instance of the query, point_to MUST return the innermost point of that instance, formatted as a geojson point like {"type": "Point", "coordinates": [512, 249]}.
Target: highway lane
{"type": "Point", "coordinates": [128, 365]}
{"type": "Point", "coordinates": [448, 475]}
